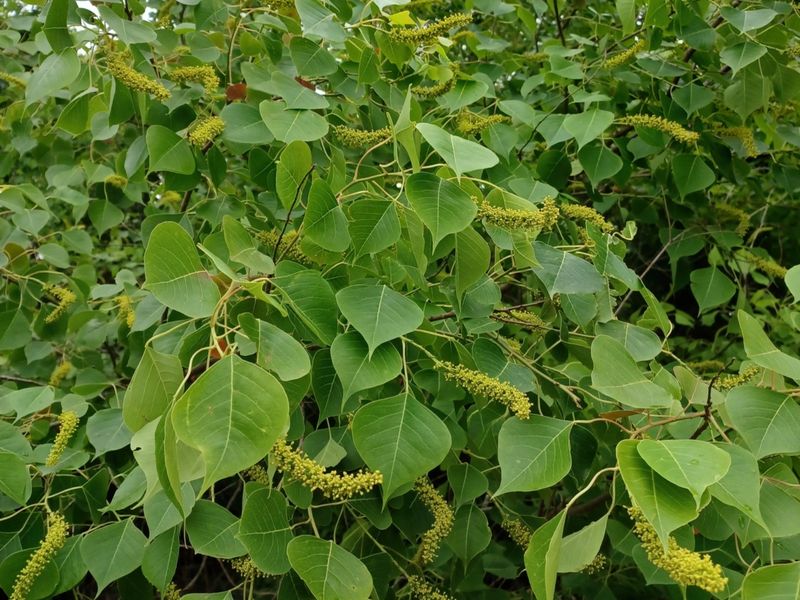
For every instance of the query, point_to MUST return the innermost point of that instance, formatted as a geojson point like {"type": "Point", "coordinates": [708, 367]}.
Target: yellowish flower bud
{"type": "Point", "coordinates": [705, 366]}
{"type": "Point", "coordinates": [422, 590]}
{"type": "Point", "coordinates": [117, 181]}
{"type": "Point", "coordinates": [727, 211]}
{"type": "Point", "coordinates": [683, 566]}
{"type": "Point", "coordinates": [518, 531]}
{"type": "Point", "coordinates": [296, 464]}
{"type": "Point", "coordinates": [131, 78]}
{"type": "Point", "coordinates": [170, 198]}
{"type": "Point", "coordinates": [60, 373]}
{"type": "Point", "coordinates": [533, 56]}
{"type": "Point", "coordinates": [728, 382]}
{"type": "Point", "coordinates": [432, 31]}
{"type": "Point", "coordinates": [12, 79]}
{"type": "Point", "coordinates": [171, 592]}
{"type": "Point", "coordinates": [435, 90]}
{"type": "Point", "coordinates": [470, 123]}
{"type": "Point", "coordinates": [620, 58]}
{"type": "Point", "coordinates": [245, 567]}
{"type": "Point", "coordinates": [54, 540]}
{"type": "Point", "coordinates": [125, 310]}
{"type": "Point", "coordinates": [745, 137]}
{"type": "Point", "coordinates": [442, 520]}
{"type": "Point", "coordinates": [598, 564]}
{"type": "Point", "coordinates": [671, 128]}
{"type": "Point", "coordinates": [67, 425]}
{"type": "Point", "coordinates": [289, 245]}
{"type": "Point", "coordinates": [770, 267]}
{"type": "Point", "coordinates": [205, 75]}
{"type": "Point", "coordinates": [65, 297]}
{"type": "Point", "coordinates": [524, 318]}
{"type": "Point", "coordinates": [512, 218]}
{"type": "Point", "coordinates": [206, 130]}
{"type": "Point", "coordinates": [576, 212]}
{"type": "Point", "coordinates": [361, 138]}
{"type": "Point", "coordinates": [480, 384]}
{"type": "Point", "coordinates": [258, 474]}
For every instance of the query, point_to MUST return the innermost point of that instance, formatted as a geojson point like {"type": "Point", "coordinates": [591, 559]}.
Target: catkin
{"type": "Point", "coordinates": [442, 520]}
{"type": "Point", "coordinates": [480, 384]}
{"type": "Point", "coordinates": [125, 310]}
{"type": "Point", "coordinates": [130, 77]}
{"type": "Point", "coordinates": [767, 266]}
{"type": "Point", "coordinates": [205, 75]}
{"type": "Point", "coordinates": [65, 298]}
{"type": "Point", "coordinates": [598, 564]}
{"type": "Point", "coordinates": [423, 590]}
{"type": "Point", "coordinates": [731, 212]}
{"type": "Point", "coordinates": [12, 79]}
{"type": "Point", "coordinates": [671, 128]}
{"type": "Point", "coordinates": [205, 130]}
{"type": "Point", "coordinates": [288, 247]}
{"type": "Point", "coordinates": [470, 123]}
{"type": "Point", "coordinates": [745, 137]}
{"type": "Point", "coordinates": [576, 212]}
{"type": "Point", "coordinates": [729, 382]}
{"type": "Point", "coordinates": [60, 373]}
{"type": "Point", "coordinates": [361, 138]}
{"type": "Point", "coordinates": [54, 540]}
{"type": "Point", "coordinates": [432, 31]}
{"type": "Point", "coordinates": [523, 318]}
{"type": "Point", "coordinates": [620, 58]}
{"type": "Point", "coordinates": [518, 531]}
{"type": "Point", "coordinates": [67, 425]}
{"type": "Point", "coordinates": [512, 218]}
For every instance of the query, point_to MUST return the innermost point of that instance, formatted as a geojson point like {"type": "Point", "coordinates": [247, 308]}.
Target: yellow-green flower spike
{"type": "Point", "coordinates": [170, 198]}
{"type": "Point", "coordinates": [67, 425]}
{"type": "Point", "coordinates": [278, 4]}
{"type": "Point", "coordinates": [731, 381]}
{"type": "Point", "coordinates": [576, 212]}
{"type": "Point", "coordinates": [470, 123]}
{"type": "Point", "coordinates": [745, 137]}
{"type": "Point", "coordinates": [523, 318]}
{"type": "Point", "coordinates": [435, 90]}
{"type": "Point", "coordinates": [54, 540]}
{"type": "Point", "coordinates": [245, 567]}
{"type": "Point", "coordinates": [598, 564]}
{"type": "Point", "coordinates": [361, 138]}
{"type": "Point", "coordinates": [258, 474]}
{"type": "Point", "coordinates": [512, 218]}
{"type": "Point", "coordinates": [432, 31]}
{"type": "Point", "coordinates": [205, 75]}
{"type": "Point", "coordinates": [480, 384]}
{"type": "Point", "coordinates": [518, 531]}
{"type": "Point", "coordinates": [60, 373]}
{"type": "Point", "coordinates": [65, 297]}
{"type": "Point", "coordinates": [171, 592]}
{"type": "Point", "coordinates": [683, 566]}
{"type": "Point", "coordinates": [206, 130]}
{"type": "Point", "coordinates": [131, 78]}
{"type": "Point", "coordinates": [705, 366]}
{"type": "Point", "coordinates": [423, 590]}
{"type": "Point", "coordinates": [288, 248]}
{"type": "Point", "coordinates": [671, 128]}
{"type": "Point", "coordinates": [12, 79]}
{"type": "Point", "coordinates": [767, 266]}
{"type": "Point", "coordinates": [125, 310]}
{"type": "Point", "coordinates": [117, 181]}
{"type": "Point", "coordinates": [442, 520]}
{"type": "Point", "coordinates": [297, 465]}
{"type": "Point", "coordinates": [620, 58]}
{"type": "Point", "coordinates": [726, 211]}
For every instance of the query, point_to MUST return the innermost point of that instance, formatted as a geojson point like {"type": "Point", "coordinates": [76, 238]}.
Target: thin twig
{"type": "Point", "coordinates": [291, 208]}
{"type": "Point", "coordinates": [707, 410]}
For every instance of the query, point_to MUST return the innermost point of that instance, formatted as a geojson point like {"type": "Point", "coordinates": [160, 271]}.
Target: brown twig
{"type": "Point", "coordinates": [707, 410]}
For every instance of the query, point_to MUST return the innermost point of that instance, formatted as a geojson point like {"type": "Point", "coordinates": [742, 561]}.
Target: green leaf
{"type": "Point", "coordinates": [472, 259]}
{"type": "Point", "coordinates": [691, 174]}
{"type": "Point", "coordinates": [55, 26]}
{"type": "Point", "coordinates": [174, 274]}
{"type": "Point", "coordinates": [15, 330]}
{"type": "Point", "coordinates": [113, 551]}
{"type": "Point", "coordinates": [104, 215]}
{"type": "Point", "coordinates": [311, 298]}
{"type": "Point", "coordinates": [56, 71]}
{"type": "Point", "coordinates": [588, 126]}
{"type": "Point", "coordinates": [329, 571]}
{"type": "Point", "coordinates": [160, 560]}
{"type": "Point", "coordinates": [153, 386]}
{"type": "Point", "coordinates": [768, 421]}
{"type": "Point", "coordinates": [356, 369]}
{"type": "Point", "coordinates": [168, 151]}
{"type": "Point", "coordinates": [441, 205]}
{"type": "Point", "coordinates": [580, 548]}
{"type": "Point", "coordinates": [401, 438]}
{"type": "Point", "coordinates": [763, 352]}
{"type": "Point", "coordinates": [467, 483]}
{"type": "Point", "coordinates": [543, 555]}
{"type": "Point", "coordinates": [293, 167]}
{"type": "Point", "coordinates": [626, 9]}
{"type": "Point", "coordinates": [641, 343]}
{"type": "Point", "coordinates": [106, 430]}
{"type": "Point", "coordinates": [664, 505]}
{"type": "Point", "coordinates": [599, 163]}
{"type": "Point", "coordinates": [749, 92]}
{"type": "Point", "coordinates": [533, 454]}
{"type": "Point", "coordinates": [791, 279]}
{"type": "Point", "coordinates": [693, 97]}
{"type": "Point", "coordinates": [232, 414]}
{"type": "Point", "coordinates": [277, 351]}
{"type": "Point", "coordinates": [319, 22]}
{"type": "Point", "coordinates": [773, 582]}
{"type": "Point", "coordinates": [244, 125]}
{"type": "Point", "coordinates": [460, 155]}
{"type": "Point", "coordinates": [127, 30]}
{"type": "Point", "coordinates": [740, 487]}
{"type": "Point", "coordinates": [470, 534]}
{"type": "Point", "coordinates": [374, 226]}
{"type": "Point", "coordinates": [690, 464]}
{"type": "Point", "coordinates": [15, 481]}
{"type": "Point", "coordinates": [711, 287]}
{"type": "Point", "coordinates": [378, 313]}
{"type": "Point", "coordinates": [311, 59]}
{"type": "Point", "coordinates": [290, 125]}
{"type": "Point", "coordinates": [740, 55]}
{"type": "Point", "coordinates": [212, 531]}
{"type": "Point", "coordinates": [264, 528]}
{"type": "Point", "coordinates": [615, 374]}
{"type": "Point", "coordinates": [565, 273]}
{"type": "Point", "coordinates": [748, 20]}
{"type": "Point", "coordinates": [325, 223]}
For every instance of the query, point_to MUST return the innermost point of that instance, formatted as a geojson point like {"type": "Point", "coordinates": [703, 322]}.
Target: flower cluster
{"type": "Point", "coordinates": [117, 181]}
{"type": "Point", "coordinates": [65, 297]}
{"type": "Point", "coordinates": [731, 381]}
{"type": "Point", "coordinates": [67, 425]}
{"type": "Point", "coordinates": [288, 246]}
{"type": "Point", "coordinates": [118, 67]}
{"type": "Point", "coordinates": [512, 218]}
{"type": "Point", "coordinates": [518, 531]}
{"type": "Point", "coordinates": [745, 137]}
{"type": "Point", "coordinates": [598, 564]}
{"type": "Point", "coordinates": [770, 267]}
{"type": "Point", "coordinates": [125, 309]}
{"type": "Point", "coordinates": [423, 590]}
{"type": "Point", "coordinates": [620, 58]}
{"type": "Point", "coordinates": [60, 373]}
{"type": "Point", "coordinates": [430, 32]}
{"type": "Point", "coordinates": [435, 90]}
{"type": "Point", "coordinates": [337, 486]}
{"type": "Point", "coordinates": [361, 138]}
{"type": "Point", "coordinates": [278, 4]}
{"type": "Point", "coordinates": [245, 567]}
{"type": "Point", "coordinates": [12, 79]}
{"type": "Point", "coordinates": [705, 366]}
{"type": "Point", "coordinates": [170, 198]}
{"type": "Point", "coordinates": [206, 130]}
{"type": "Point", "coordinates": [731, 212]}
{"type": "Point", "coordinates": [54, 540]}
{"type": "Point", "coordinates": [442, 519]}
{"type": "Point", "coordinates": [480, 384]}
{"type": "Point", "coordinates": [512, 344]}
{"type": "Point", "coordinates": [683, 566]}
{"type": "Point", "coordinates": [205, 75]}
{"type": "Point", "coordinates": [535, 56]}
{"type": "Point", "coordinates": [671, 128]}
{"type": "Point", "coordinates": [258, 474]}
{"type": "Point", "coordinates": [470, 123]}
{"type": "Point", "coordinates": [576, 212]}
{"type": "Point", "coordinates": [171, 592]}
{"type": "Point", "coordinates": [525, 318]}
